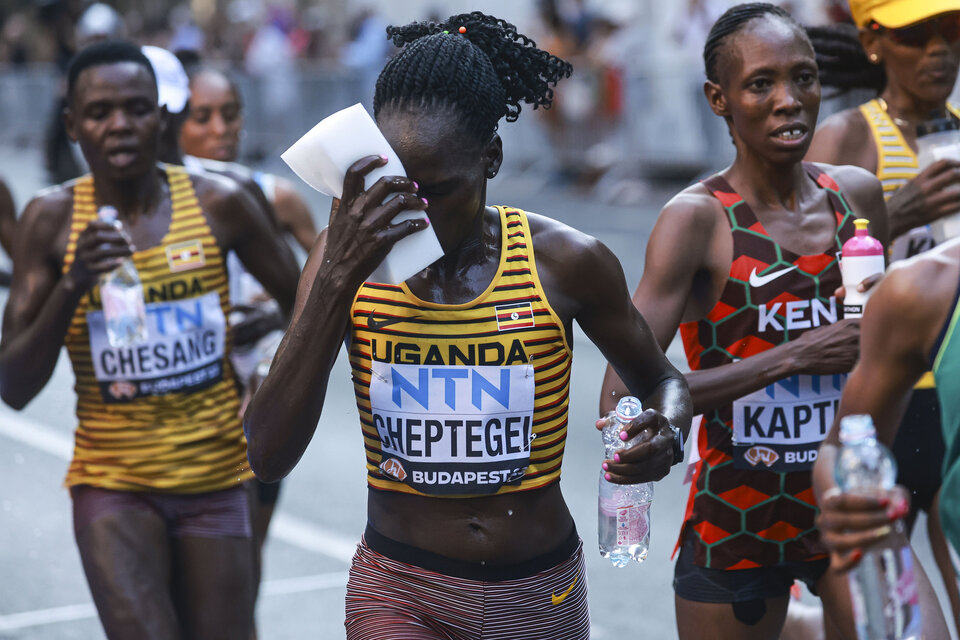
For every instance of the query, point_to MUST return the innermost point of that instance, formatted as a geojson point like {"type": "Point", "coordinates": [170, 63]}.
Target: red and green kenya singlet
{"type": "Point", "coordinates": [460, 400]}
{"type": "Point", "coordinates": [751, 502]}
{"type": "Point", "coordinates": [160, 415]}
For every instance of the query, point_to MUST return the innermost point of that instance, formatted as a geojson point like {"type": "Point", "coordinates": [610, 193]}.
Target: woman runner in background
{"type": "Point", "coordinates": [909, 53]}
{"type": "Point", "coordinates": [745, 266]}
{"type": "Point", "coordinates": [462, 372]}
{"type": "Point", "coordinates": [212, 131]}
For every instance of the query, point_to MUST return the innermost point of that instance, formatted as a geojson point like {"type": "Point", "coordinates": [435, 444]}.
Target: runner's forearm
{"type": "Point", "coordinates": [718, 386]}
{"type": "Point", "coordinates": [672, 399]}
{"type": "Point", "coordinates": [28, 359]}
{"type": "Point", "coordinates": [283, 415]}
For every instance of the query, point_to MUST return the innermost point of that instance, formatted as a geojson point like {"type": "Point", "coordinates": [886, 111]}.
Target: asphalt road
{"type": "Point", "coordinates": [43, 595]}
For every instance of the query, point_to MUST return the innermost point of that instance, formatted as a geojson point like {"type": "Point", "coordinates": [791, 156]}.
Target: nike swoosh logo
{"type": "Point", "coordinates": [759, 281]}
{"type": "Point", "coordinates": [557, 599]}
{"type": "Point", "coordinates": [375, 324]}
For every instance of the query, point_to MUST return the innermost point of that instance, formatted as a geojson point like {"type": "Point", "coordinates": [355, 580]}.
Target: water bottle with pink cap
{"type": "Point", "coordinates": [862, 257]}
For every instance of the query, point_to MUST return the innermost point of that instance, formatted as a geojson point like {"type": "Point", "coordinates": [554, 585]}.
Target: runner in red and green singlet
{"type": "Point", "coordinates": [745, 266]}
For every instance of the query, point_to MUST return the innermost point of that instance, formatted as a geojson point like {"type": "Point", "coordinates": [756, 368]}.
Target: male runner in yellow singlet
{"type": "Point", "coordinates": [157, 479]}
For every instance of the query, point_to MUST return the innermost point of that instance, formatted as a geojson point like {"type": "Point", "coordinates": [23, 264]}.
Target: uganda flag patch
{"type": "Point", "coordinates": [518, 315]}
{"type": "Point", "coordinates": [184, 256]}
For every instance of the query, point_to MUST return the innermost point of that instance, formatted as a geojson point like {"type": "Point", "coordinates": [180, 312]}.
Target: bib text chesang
{"type": "Point", "coordinates": [184, 351]}
{"type": "Point", "coordinates": [453, 429]}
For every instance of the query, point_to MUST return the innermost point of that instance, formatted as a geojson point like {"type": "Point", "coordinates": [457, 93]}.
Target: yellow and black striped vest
{"type": "Point", "coordinates": [897, 164]}
{"type": "Point", "coordinates": [160, 415]}
{"type": "Point", "coordinates": [463, 399]}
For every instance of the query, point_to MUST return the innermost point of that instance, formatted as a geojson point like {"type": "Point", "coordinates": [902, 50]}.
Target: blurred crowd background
{"type": "Point", "coordinates": [633, 112]}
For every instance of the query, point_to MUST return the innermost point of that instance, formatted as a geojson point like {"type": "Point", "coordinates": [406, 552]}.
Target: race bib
{"type": "Point", "coordinates": [780, 428]}
{"type": "Point", "coordinates": [183, 353]}
{"type": "Point", "coordinates": [451, 429]}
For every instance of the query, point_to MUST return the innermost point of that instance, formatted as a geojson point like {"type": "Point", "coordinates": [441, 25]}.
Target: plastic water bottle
{"type": "Point", "coordinates": [862, 257]}
{"type": "Point", "coordinates": [939, 138]}
{"type": "Point", "coordinates": [624, 509]}
{"type": "Point", "coordinates": [883, 586]}
{"type": "Point", "coordinates": [121, 293]}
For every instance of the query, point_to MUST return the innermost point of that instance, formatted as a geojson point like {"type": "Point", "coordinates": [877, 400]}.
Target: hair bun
{"type": "Point", "coordinates": [438, 62]}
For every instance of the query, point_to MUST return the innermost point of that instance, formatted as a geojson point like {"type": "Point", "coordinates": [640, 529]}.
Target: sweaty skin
{"type": "Point", "coordinates": [919, 81]}
{"type": "Point", "coordinates": [212, 131]}
{"type": "Point", "coordinates": [583, 282]}
{"type": "Point", "coordinates": [768, 80]}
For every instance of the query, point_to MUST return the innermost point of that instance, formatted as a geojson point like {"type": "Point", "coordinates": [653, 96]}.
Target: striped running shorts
{"type": "Point", "coordinates": [395, 599]}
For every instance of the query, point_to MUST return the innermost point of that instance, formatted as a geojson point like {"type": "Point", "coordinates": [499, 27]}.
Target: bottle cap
{"type": "Point", "coordinates": [937, 125]}
{"type": "Point", "coordinates": [628, 409]}
{"type": "Point", "coordinates": [861, 224]}
{"type": "Point", "coordinates": [856, 427]}
{"type": "Point", "coordinates": [106, 213]}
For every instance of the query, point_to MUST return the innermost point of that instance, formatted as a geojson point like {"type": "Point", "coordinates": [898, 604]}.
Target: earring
{"type": "Point", "coordinates": [874, 58]}
{"type": "Point", "coordinates": [491, 173]}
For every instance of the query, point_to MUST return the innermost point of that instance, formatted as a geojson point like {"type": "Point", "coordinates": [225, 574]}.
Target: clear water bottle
{"type": "Point", "coordinates": [883, 586]}
{"type": "Point", "coordinates": [624, 509]}
{"type": "Point", "coordinates": [121, 293]}
{"type": "Point", "coordinates": [939, 138]}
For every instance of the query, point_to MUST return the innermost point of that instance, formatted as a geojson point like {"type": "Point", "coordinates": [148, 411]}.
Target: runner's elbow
{"type": "Point", "coordinates": [12, 397]}
{"type": "Point", "coordinates": [261, 462]}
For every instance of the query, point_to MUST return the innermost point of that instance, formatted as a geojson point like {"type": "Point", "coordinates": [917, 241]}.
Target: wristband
{"type": "Point", "coordinates": [677, 445]}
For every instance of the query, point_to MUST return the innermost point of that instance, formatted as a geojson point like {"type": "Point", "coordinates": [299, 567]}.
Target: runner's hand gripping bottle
{"type": "Point", "coordinates": [624, 509]}
{"type": "Point", "coordinates": [121, 293]}
{"type": "Point", "coordinates": [882, 586]}
{"type": "Point", "coordinates": [861, 257]}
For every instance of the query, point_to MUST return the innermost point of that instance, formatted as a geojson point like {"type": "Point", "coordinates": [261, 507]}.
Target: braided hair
{"type": "Point", "coordinates": [732, 21]}
{"type": "Point", "coordinates": [478, 64]}
{"type": "Point", "coordinates": [842, 61]}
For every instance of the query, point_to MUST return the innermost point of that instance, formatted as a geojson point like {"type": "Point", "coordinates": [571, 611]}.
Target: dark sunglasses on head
{"type": "Point", "coordinates": [919, 34]}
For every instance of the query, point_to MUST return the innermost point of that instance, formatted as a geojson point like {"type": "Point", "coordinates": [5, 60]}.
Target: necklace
{"type": "Point", "coordinates": [900, 122]}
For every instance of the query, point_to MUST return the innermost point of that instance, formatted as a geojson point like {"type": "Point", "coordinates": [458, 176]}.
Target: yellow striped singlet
{"type": "Point", "coordinates": [161, 415]}
{"type": "Point", "coordinates": [461, 400]}
{"type": "Point", "coordinates": [897, 164]}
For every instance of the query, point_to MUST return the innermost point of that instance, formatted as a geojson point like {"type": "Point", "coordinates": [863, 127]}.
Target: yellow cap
{"type": "Point", "coordinates": [861, 224]}
{"type": "Point", "coordinates": [898, 13]}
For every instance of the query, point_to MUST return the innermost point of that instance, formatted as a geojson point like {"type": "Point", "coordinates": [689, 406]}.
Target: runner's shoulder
{"type": "Point", "coordinates": [553, 238]}
{"type": "Point", "coordinates": [48, 212]}
{"type": "Point", "coordinates": [218, 193]}
{"type": "Point", "coordinates": [844, 126]}
{"type": "Point", "coordinates": [921, 281]}
{"type": "Point", "coordinates": [842, 138]}
{"type": "Point", "coordinates": [568, 251]}
{"type": "Point", "coordinates": [861, 188]}
{"type": "Point", "coordinates": [692, 217]}
{"type": "Point", "coordinates": [695, 204]}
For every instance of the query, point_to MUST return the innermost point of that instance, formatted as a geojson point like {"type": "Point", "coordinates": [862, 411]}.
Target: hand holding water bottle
{"type": "Point", "coordinates": [650, 450]}
{"type": "Point", "coordinates": [623, 523]}
{"type": "Point", "coordinates": [101, 248]}
{"type": "Point", "coordinates": [850, 523]}
{"type": "Point", "coordinates": [883, 584]}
